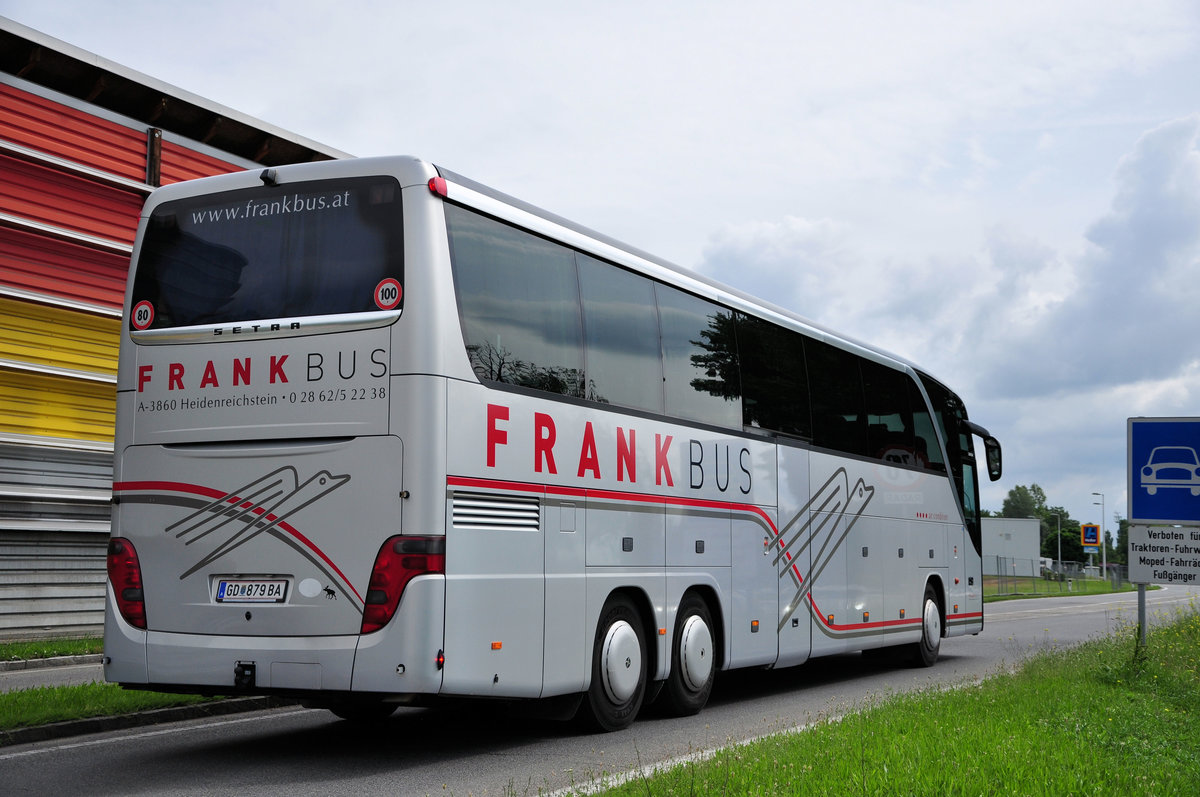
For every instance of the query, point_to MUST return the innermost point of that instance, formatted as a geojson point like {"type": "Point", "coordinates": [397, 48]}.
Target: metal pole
{"type": "Point", "coordinates": [1141, 615]}
{"type": "Point", "coordinates": [1103, 539]}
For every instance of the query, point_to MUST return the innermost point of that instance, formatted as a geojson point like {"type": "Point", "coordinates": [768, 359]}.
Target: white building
{"type": "Point", "coordinates": [1012, 546]}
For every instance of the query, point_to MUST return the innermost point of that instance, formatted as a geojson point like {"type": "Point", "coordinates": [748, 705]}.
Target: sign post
{"type": "Point", "coordinates": [1164, 505]}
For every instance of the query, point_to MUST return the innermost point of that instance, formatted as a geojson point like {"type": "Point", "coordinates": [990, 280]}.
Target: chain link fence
{"type": "Point", "coordinates": [1006, 575]}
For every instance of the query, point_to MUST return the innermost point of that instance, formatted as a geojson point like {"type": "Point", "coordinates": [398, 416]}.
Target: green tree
{"type": "Point", "coordinates": [1024, 501]}
{"type": "Point", "coordinates": [1120, 554]}
{"type": "Point", "coordinates": [1072, 545]}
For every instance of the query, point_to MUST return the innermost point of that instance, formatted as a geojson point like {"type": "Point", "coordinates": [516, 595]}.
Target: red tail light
{"type": "Point", "coordinates": [125, 573]}
{"type": "Point", "coordinates": [399, 561]}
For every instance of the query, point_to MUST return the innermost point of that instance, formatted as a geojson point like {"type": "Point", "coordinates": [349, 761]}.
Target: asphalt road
{"type": "Point", "coordinates": [298, 751]}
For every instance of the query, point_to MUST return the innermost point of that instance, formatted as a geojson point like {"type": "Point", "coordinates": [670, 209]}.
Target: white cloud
{"type": "Point", "coordinates": [939, 178]}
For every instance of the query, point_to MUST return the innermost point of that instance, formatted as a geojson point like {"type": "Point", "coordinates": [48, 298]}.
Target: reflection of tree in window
{"type": "Point", "coordinates": [699, 370]}
{"type": "Point", "coordinates": [717, 358]}
{"type": "Point", "coordinates": [519, 299]}
{"type": "Point", "coordinates": [499, 365]}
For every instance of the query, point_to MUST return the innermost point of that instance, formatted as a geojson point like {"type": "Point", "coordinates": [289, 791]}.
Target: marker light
{"type": "Point", "coordinates": [399, 561]}
{"type": "Point", "coordinates": [438, 186]}
{"type": "Point", "coordinates": [125, 573]}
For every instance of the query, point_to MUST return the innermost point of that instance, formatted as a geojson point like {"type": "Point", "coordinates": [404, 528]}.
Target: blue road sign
{"type": "Point", "coordinates": [1164, 470]}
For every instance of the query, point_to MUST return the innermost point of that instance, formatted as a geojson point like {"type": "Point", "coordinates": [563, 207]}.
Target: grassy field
{"type": "Point", "coordinates": [1100, 719]}
{"type": "Point", "coordinates": [31, 707]}
{"type": "Point", "coordinates": [48, 648]}
{"type": "Point", "coordinates": [1037, 587]}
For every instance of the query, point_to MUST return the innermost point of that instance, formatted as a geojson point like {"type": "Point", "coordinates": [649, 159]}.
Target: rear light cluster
{"type": "Point", "coordinates": [400, 560]}
{"type": "Point", "coordinates": [125, 574]}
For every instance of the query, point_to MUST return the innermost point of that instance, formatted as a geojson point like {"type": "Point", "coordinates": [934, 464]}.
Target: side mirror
{"type": "Point", "coordinates": [991, 448]}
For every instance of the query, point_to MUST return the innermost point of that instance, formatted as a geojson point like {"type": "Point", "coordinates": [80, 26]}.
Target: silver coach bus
{"type": "Point", "coordinates": [386, 436]}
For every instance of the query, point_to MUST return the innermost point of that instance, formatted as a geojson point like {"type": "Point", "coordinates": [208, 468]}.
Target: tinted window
{"type": "Point", "coordinates": [950, 416]}
{"type": "Point", "coordinates": [926, 435]}
{"type": "Point", "coordinates": [621, 333]}
{"type": "Point", "coordinates": [700, 366]}
{"type": "Point", "coordinates": [519, 300]}
{"type": "Point", "coordinates": [774, 377]}
{"type": "Point", "coordinates": [889, 420]}
{"type": "Point", "coordinates": [270, 252]}
{"type": "Point", "coordinates": [838, 407]}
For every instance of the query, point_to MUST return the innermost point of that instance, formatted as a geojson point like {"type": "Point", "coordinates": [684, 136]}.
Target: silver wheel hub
{"type": "Point", "coordinates": [932, 620]}
{"type": "Point", "coordinates": [695, 653]}
{"type": "Point", "coordinates": [620, 662]}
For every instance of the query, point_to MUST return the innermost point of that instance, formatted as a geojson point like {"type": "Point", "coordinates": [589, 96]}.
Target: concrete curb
{"type": "Point", "coordinates": [216, 708]}
{"type": "Point", "coordinates": [56, 661]}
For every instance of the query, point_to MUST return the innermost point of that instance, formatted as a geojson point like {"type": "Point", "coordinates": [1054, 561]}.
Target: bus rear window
{"type": "Point", "coordinates": [303, 249]}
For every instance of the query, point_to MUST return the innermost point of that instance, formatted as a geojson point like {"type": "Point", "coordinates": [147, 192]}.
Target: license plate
{"type": "Point", "coordinates": [251, 590]}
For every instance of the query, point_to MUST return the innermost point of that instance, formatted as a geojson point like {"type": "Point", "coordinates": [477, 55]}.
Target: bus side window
{"type": "Point", "coordinates": [774, 378]}
{"type": "Point", "coordinates": [838, 406]}
{"type": "Point", "coordinates": [519, 299]}
{"type": "Point", "coordinates": [889, 420]}
{"type": "Point", "coordinates": [620, 325]}
{"type": "Point", "coordinates": [700, 365]}
{"type": "Point", "coordinates": [926, 435]}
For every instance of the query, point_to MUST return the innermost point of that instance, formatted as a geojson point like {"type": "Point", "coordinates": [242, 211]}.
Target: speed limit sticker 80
{"type": "Point", "coordinates": [388, 294]}
{"type": "Point", "coordinates": [143, 315]}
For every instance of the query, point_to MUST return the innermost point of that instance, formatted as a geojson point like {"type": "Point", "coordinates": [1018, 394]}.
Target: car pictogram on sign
{"type": "Point", "coordinates": [1172, 467]}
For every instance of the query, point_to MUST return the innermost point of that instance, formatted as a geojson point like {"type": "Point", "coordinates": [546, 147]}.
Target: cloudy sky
{"type": "Point", "coordinates": [1007, 193]}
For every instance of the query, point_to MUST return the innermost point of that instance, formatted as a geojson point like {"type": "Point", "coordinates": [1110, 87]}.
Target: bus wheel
{"type": "Point", "coordinates": [926, 651]}
{"type": "Point", "coordinates": [618, 667]}
{"type": "Point", "coordinates": [693, 659]}
{"type": "Point", "coordinates": [363, 710]}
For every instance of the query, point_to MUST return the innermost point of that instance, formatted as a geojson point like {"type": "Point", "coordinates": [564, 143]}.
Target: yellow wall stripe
{"type": "Point", "coordinates": [56, 406]}
{"type": "Point", "coordinates": [46, 335]}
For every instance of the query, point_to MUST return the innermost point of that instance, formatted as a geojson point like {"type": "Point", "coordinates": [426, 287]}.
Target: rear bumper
{"type": "Point", "coordinates": [400, 659]}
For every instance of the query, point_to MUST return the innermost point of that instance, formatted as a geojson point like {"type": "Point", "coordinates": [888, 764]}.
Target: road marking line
{"type": "Point", "coordinates": [148, 734]}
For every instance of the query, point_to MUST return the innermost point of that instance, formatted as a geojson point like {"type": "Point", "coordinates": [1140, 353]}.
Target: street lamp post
{"type": "Point", "coordinates": [1058, 517]}
{"type": "Point", "coordinates": [1103, 537]}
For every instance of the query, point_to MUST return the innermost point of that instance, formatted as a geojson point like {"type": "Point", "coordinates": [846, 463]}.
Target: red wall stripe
{"type": "Point", "coordinates": [63, 269]}
{"type": "Point", "coordinates": [38, 193]}
{"type": "Point", "coordinates": [47, 126]}
{"type": "Point", "coordinates": [180, 163]}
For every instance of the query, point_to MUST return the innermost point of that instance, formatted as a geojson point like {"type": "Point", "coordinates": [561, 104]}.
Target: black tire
{"type": "Point", "coordinates": [925, 652]}
{"type": "Point", "coordinates": [693, 658]}
{"type": "Point", "coordinates": [618, 668]}
{"type": "Point", "coordinates": [362, 710]}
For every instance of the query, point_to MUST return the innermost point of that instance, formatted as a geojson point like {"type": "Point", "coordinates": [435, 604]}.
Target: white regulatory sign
{"type": "Point", "coordinates": [1164, 554]}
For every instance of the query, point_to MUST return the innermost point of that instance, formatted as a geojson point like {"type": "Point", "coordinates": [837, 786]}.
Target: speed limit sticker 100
{"type": "Point", "coordinates": [388, 294]}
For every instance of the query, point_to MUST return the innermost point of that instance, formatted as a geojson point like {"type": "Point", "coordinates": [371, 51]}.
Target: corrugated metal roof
{"type": "Point", "coordinates": [50, 127]}
{"type": "Point", "coordinates": [46, 61]}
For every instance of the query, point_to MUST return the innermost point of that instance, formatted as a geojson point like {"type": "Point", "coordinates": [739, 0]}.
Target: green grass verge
{"type": "Point", "coordinates": [43, 705]}
{"type": "Point", "coordinates": [996, 587]}
{"type": "Point", "coordinates": [1100, 719]}
{"type": "Point", "coordinates": [48, 648]}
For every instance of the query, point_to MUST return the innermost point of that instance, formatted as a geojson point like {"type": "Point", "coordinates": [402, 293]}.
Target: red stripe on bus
{"type": "Point", "coordinates": [208, 492]}
{"type": "Point", "coordinates": [694, 503]}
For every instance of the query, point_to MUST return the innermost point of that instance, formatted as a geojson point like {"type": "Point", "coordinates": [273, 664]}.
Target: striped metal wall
{"type": "Point", "coordinates": [72, 184]}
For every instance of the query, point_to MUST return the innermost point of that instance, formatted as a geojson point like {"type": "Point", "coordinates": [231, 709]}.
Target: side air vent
{"type": "Point", "coordinates": [481, 511]}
